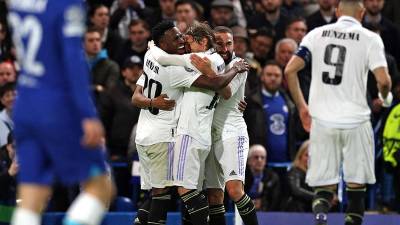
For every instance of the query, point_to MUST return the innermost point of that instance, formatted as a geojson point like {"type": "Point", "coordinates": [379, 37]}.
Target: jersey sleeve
{"type": "Point", "coordinates": [238, 81]}
{"type": "Point", "coordinates": [141, 81]}
{"type": "Point", "coordinates": [181, 76]}
{"type": "Point", "coordinates": [376, 54]}
{"type": "Point", "coordinates": [166, 59]}
{"type": "Point", "coordinates": [72, 25]}
{"type": "Point", "coordinates": [305, 48]}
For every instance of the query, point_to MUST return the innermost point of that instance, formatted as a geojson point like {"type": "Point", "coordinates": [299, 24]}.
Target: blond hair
{"type": "Point", "coordinates": [303, 148]}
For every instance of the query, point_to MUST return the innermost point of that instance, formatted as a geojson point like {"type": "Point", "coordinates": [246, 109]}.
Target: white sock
{"type": "Point", "coordinates": [86, 209]}
{"type": "Point", "coordinates": [23, 216]}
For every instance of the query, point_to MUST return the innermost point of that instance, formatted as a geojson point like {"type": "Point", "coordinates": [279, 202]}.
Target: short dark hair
{"type": "Point", "coordinates": [272, 63]}
{"type": "Point", "coordinates": [183, 2]}
{"type": "Point", "coordinates": [201, 30]}
{"type": "Point", "coordinates": [137, 22]}
{"type": "Point", "coordinates": [295, 20]}
{"type": "Point", "coordinates": [223, 29]}
{"type": "Point", "coordinates": [10, 86]}
{"type": "Point", "coordinates": [264, 31]}
{"type": "Point", "coordinates": [159, 30]}
{"type": "Point", "coordinates": [92, 29]}
{"type": "Point", "coordinates": [94, 8]}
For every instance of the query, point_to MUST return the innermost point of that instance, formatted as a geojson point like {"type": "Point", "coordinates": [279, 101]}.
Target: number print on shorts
{"type": "Point", "coordinates": [338, 63]}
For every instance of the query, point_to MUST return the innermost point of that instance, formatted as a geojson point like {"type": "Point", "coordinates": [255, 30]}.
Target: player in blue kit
{"type": "Point", "coordinates": [57, 131]}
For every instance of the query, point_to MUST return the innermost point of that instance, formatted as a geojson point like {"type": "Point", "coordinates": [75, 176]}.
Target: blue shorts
{"type": "Point", "coordinates": [49, 150]}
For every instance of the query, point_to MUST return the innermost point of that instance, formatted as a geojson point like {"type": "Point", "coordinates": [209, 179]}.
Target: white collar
{"type": "Point", "coordinates": [349, 19]}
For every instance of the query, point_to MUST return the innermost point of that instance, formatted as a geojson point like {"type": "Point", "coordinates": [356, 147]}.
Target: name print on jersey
{"type": "Point", "coordinates": [341, 35]}
{"type": "Point", "coordinates": [151, 66]}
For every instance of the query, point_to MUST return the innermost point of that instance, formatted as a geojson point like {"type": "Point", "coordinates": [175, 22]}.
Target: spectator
{"type": "Point", "coordinates": [116, 110]}
{"type": "Point", "coordinates": [296, 29]}
{"type": "Point", "coordinates": [325, 14]}
{"type": "Point", "coordinates": [261, 44]}
{"type": "Point", "coordinates": [270, 116]}
{"type": "Point", "coordinates": [262, 184]}
{"type": "Point", "coordinates": [8, 172]}
{"type": "Point", "coordinates": [6, 49]}
{"type": "Point", "coordinates": [273, 18]}
{"type": "Point", "coordinates": [186, 12]}
{"type": "Point", "coordinates": [7, 98]}
{"type": "Point", "coordinates": [222, 14]}
{"type": "Point", "coordinates": [139, 34]}
{"type": "Point", "coordinates": [165, 12]}
{"type": "Point", "coordinates": [241, 39]}
{"type": "Point", "coordinates": [390, 11]}
{"type": "Point", "coordinates": [293, 8]}
{"type": "Point", "coordinates": [124, 11]}
{"type": "Point", "coordinates": [301, 195]}
{"type": "Point", "coordinates": [7, 73]}
{"type": "Point", "coordinates": [99, 16]}
{"type": "Point", "coordinates": [389, 32]}
{"type": "Point", "coordinates": [104, 71]}
{"type": "Point", "coordinates": [284, 50]}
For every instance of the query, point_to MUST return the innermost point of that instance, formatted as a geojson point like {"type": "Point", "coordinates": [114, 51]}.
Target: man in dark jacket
{"type": "Point", "coordinates": [270, 116]}
{"type": "Point", "coordinates": [325, 14]}
{"type": "Point", "coordinates": [8, 172]}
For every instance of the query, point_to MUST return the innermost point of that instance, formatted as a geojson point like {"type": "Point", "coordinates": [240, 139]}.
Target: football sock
{"type": "Point", "coordinates": [247, 210]}
{"type": "Point", "coordinates": [143, 213]}
{"type": "Point", "coordinates": [322, 204]}
{"type": "Point", "coordinates": [23, 216]}
{"type": "Point", "coordinates": [159, 209]}
{"type": "Point", "coordinates": [85, 210]}
{"type": "Point", "coordinates": [197, 206]}
{"type": "Point", "coordinates": [355, 206]}
{"type": "Point", "coordinates": [217, 215]}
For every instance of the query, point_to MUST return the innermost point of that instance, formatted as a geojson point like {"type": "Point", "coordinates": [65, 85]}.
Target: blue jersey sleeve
{"type": "Point", "coordinates": [76, 69]}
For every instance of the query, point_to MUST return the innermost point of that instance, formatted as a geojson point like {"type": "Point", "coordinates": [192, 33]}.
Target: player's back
{"type": "Point", "coordinates": [54, 74]}
{"type": "Point", "coordinates": [198, 105]}
{"type": "Point", "coordinates": [342, 53]}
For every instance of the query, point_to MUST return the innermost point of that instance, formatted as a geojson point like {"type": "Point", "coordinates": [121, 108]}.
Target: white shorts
{"type": "Point", "coordinates": [226, 161]}
{"type": "Point", "coordinates": [155, 165]}
{"type": "Point", "coordinates": [332, 147]}
{"type": "Point", "coordinates": [189, 160]}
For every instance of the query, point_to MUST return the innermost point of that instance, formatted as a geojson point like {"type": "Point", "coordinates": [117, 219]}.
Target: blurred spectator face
{"type": "Point", "coordinates": [261, 45]}
{"type": "Point", "coordinates": [185, 13]}
{"type": "Point", "coordinates": [92, 43]}
{"type": "Point", "coordinates": [271, 78]}
{"type": "Point", "coordinates": [138, 35]}
{"type": "Point", "coordinates": [167, 7]}
{"type": "Point", "coordinates": [8, 99]}
{"type": "Point", "coordinates": [224, 45]}
{"type": "Point", "coordinates": [374, 7]}
{"type": "Point", "coordinates": [101, 18]}
{"type": "Point", "coordinates": [240, 46]}
{"type": "Point", "coordinates": [3, 32]}
{"type": "Point", "coordinates": [271, 6]}
{"type": "Point", "coordinates": [11, 150]}
{"type": "Point", "coordinates": [326, 5]}
{"type": "Point", "coordinates": [7, 73]}
{"type": "Point", "coordinates": [132, 74]}
{"type": "Point", "coordinates": [257, 158]}
{"type": "Point", "coordinates": [173, 42]}
{"type": "Point", "coordinates": [283, 53]}
{"type": "Point", "coordinates": [221, 16]}
{"type": "Point", "coordinates": [296, 31]}
{"type": "Point", "coordinates": [304, 158]}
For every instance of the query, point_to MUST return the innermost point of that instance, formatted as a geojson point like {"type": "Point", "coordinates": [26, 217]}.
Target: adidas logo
{"type": "Point", "coordinates": [233, 173]}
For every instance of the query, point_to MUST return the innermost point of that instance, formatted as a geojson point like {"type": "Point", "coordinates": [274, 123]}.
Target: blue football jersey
{"type": "Point", "coordinates": [48, 38]}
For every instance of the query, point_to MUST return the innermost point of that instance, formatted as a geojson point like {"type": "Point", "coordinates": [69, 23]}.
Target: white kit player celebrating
{"type": "Point", "coordinates": [341, 133]}
{"type": "Point", "coordinates": [157, 128]}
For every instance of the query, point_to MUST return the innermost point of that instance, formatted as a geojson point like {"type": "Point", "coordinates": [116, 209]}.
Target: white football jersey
{"type": "Point", "coordinates": [228, 119]}
{"type": "Point", "coordinates": [154, 125]}
{"type": "Point", "coordinates": [198, 105]}
{"type": "Point", "coordinates": [342, 53]}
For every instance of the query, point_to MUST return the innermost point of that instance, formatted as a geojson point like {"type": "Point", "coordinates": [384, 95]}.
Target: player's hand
{"type": "Point", "coordinates": [150, 44]}
{"type": "Point", "coordinates": [377, 105]}
{"type": "Point", "coordinates": [162, 102]}
{"type": "Point", "coordinates": [202, 64]}
{"type": "Point", "coordinates": [305, 118]}
{"type": "Point", "coordinates": [241, 66]}
{"type": "Point", "coordinates": [242, 105]}
{"type": "Point", "coordinates": [93, 133]}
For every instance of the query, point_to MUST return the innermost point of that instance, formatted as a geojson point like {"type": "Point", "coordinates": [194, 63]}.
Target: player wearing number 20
{"type": "Point", "coordinates": [54, 111]}
{"type": "Point", "coordinates": [341, 133]}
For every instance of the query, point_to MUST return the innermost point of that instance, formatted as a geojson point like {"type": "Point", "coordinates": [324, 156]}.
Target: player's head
{"type": "Point", "coordinates": [200, 37]}
{"type": "Point", "coordinates": [301, 158]}
{"type": "Point", "coordinates": [224, 42]}
{"type": "Point", "coordinates": [271, 77]}
{"type": "Point", "coordinates": [353, 8]}
{"type": "Point", "coordinates": [257, 158]}
{"type": "Point", "coordinates": [166, 36]}
{"type": "Point", "coordinates": [92, 42]}
{"type": "Point", "coordinates": [7, 95]}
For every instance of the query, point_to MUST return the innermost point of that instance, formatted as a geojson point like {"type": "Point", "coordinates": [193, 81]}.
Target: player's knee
{"type": "Point", "coordinates": [215, 196]}
{"type": "Point", "coordinates": [235, 189]}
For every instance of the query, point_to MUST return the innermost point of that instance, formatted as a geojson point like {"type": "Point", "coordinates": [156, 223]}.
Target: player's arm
{"type": "Point", "coordinates": [384, 85]}
{"type": "Point", "coordinates": [166, 59]}
{"type": "Point", "coordinates": [296, 63]}
{"type": "Point", "coordinates": [218, 82]}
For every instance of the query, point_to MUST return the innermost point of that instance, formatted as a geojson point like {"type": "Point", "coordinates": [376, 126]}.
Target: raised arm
{"type": "Point", "coordinates": [166, 59]}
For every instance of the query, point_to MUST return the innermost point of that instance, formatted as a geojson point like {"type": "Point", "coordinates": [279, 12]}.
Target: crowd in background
{"type": "Point", "coordinates": [266, 33]}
